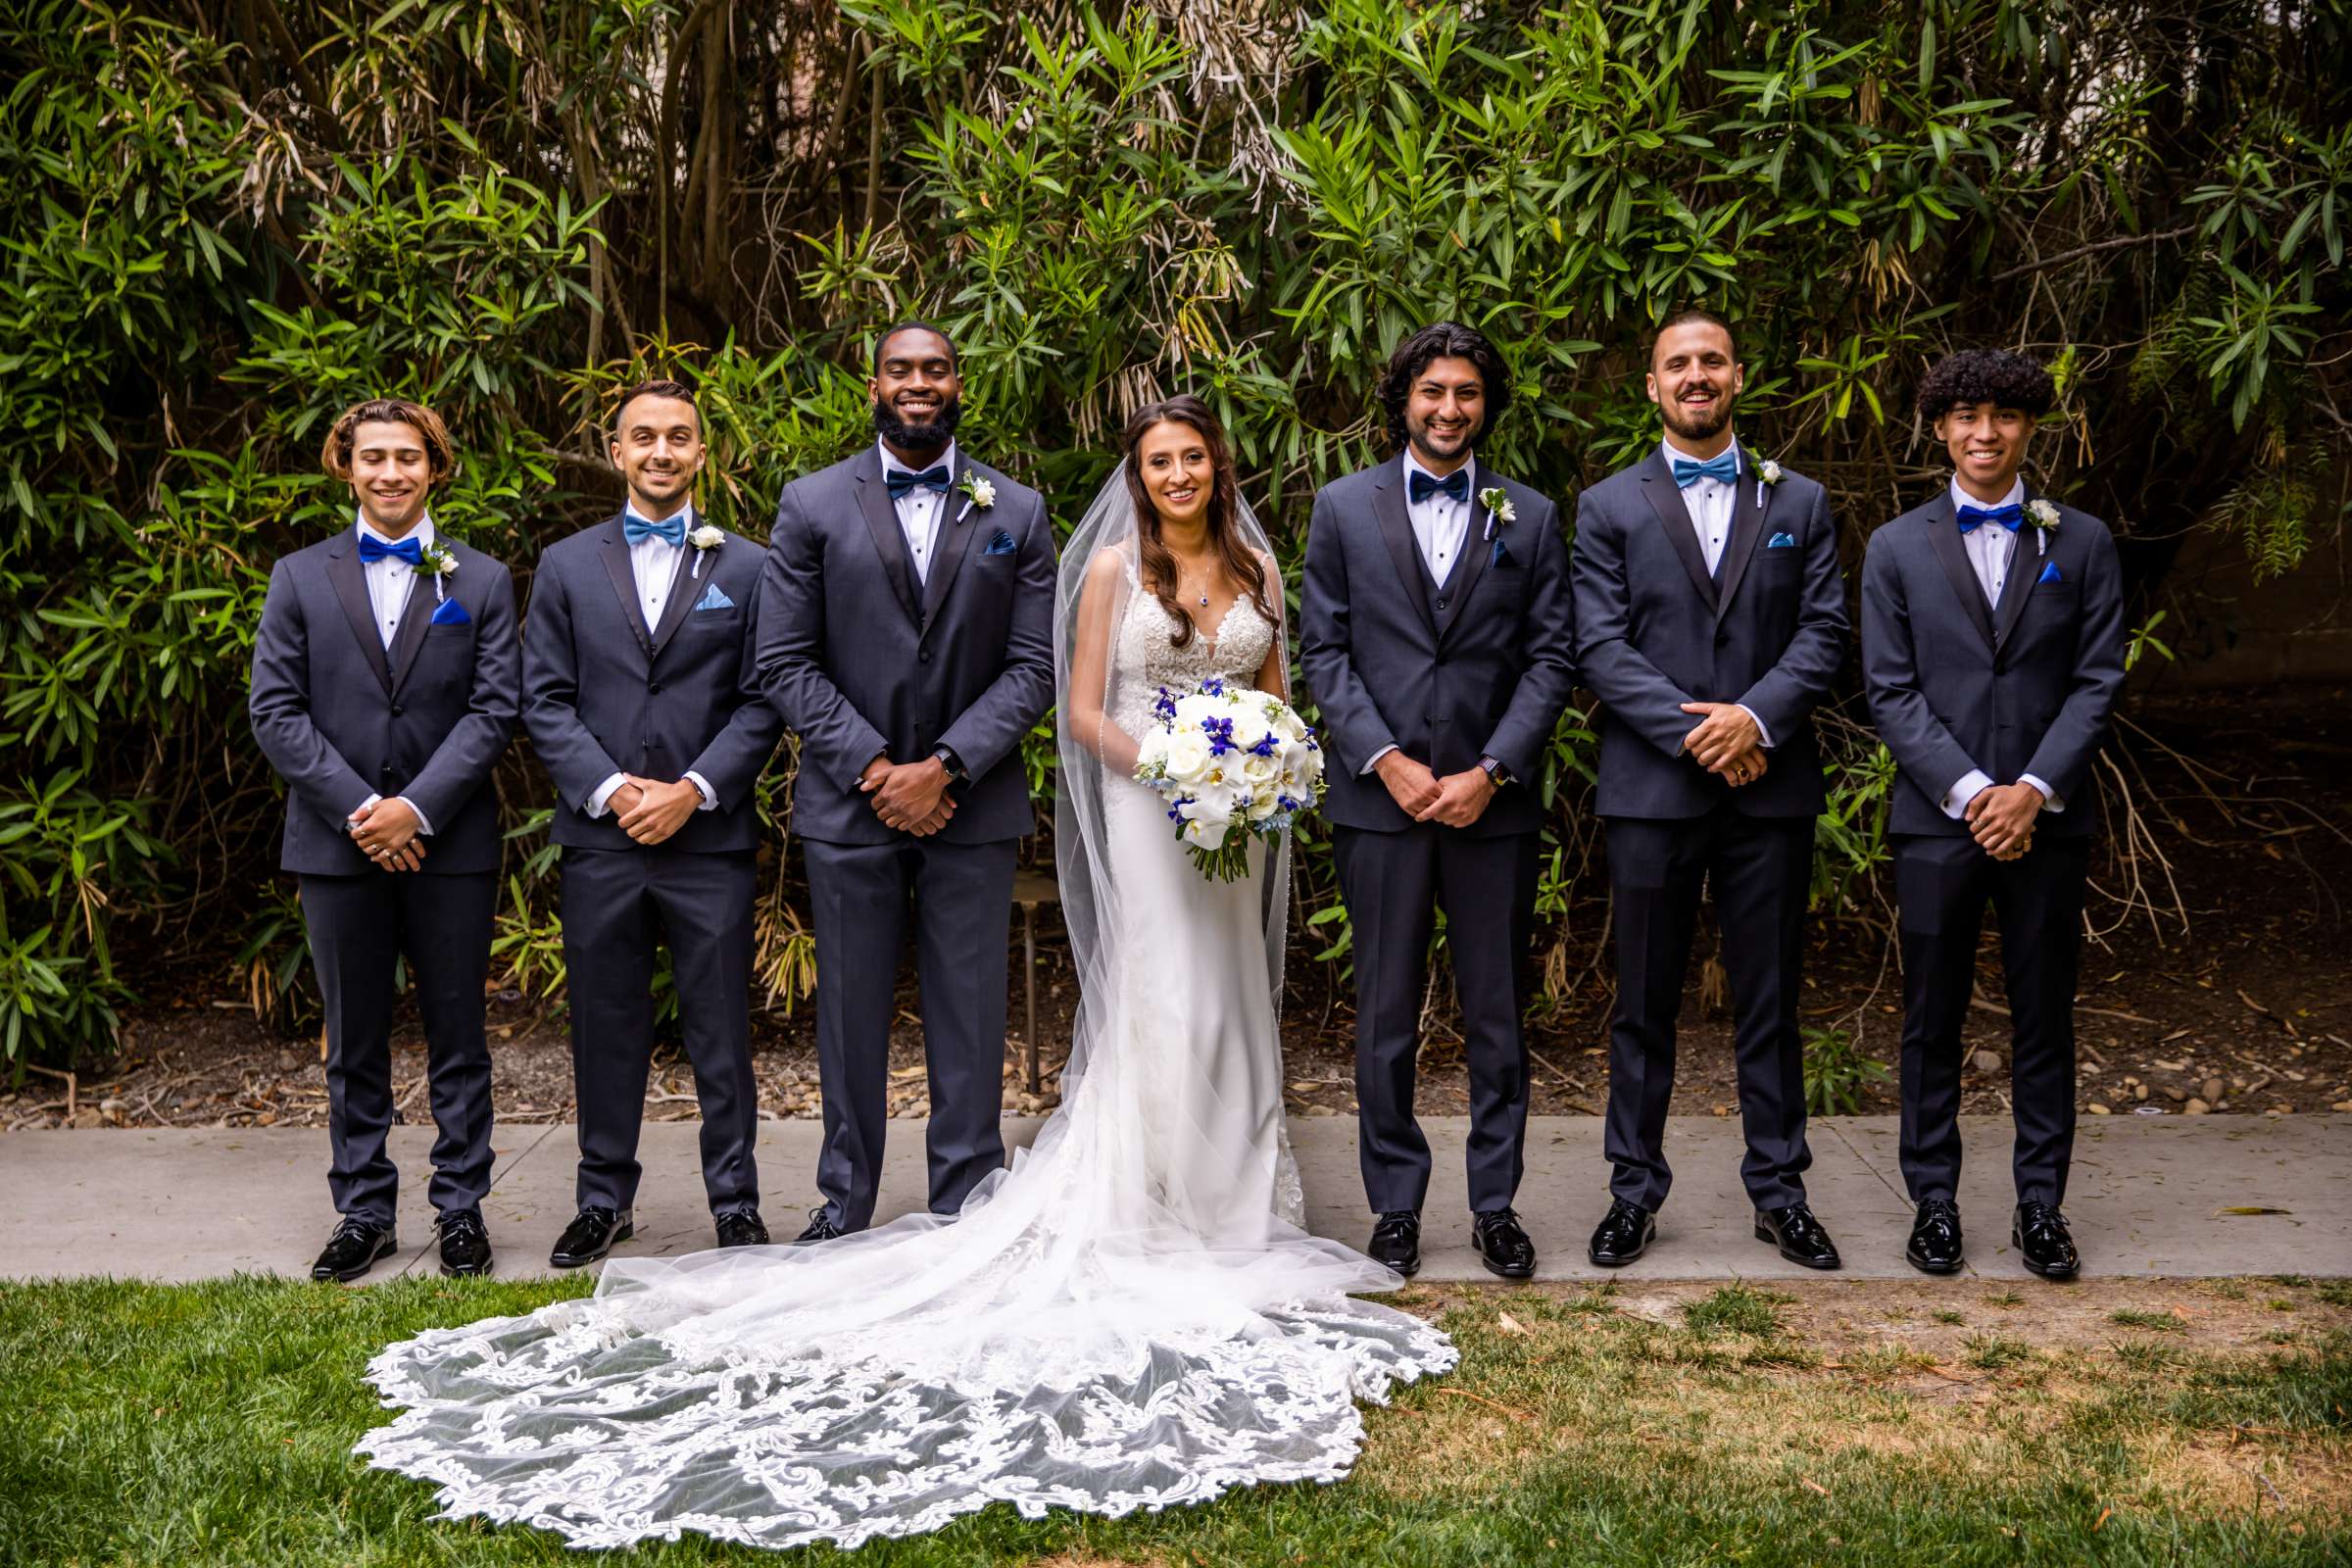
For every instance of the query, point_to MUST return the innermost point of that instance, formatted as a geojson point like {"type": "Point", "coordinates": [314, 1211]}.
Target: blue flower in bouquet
{"type": "Point", "coordinates": [1234, 764]}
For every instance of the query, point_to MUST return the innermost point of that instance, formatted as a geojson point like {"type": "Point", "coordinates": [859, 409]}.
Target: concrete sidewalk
{"type": "Point", "coordinates": [2148, 1196]}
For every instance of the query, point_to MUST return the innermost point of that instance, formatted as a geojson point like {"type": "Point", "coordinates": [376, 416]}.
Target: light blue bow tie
{"type": "Point", "coordinates": [1723, 469]}
{"type": "Point", "coordinates": [670, 531]}
{"type": "Point", "coordinates": [373, 549]}
{"type": "Point", "coordinates": [2008, 517]}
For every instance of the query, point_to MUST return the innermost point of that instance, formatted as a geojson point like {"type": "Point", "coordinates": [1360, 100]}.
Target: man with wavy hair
{"type": "Point", "coordinates": [386, 675]}
{"type": "Point", "coordinates": [1992, 647]}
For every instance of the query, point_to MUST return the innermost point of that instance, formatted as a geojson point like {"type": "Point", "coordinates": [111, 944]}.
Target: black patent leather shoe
{"type": "Point", "coordinates": [742, 1227]}
{"type": "Point", "coordinates": [592, 1233]}
{"type": "Point", "coordinates": [1934, 1246]}
{"type": "Point", "coordinates": [820, 1228]}
{"type": "Point", "coordinates": [1501, 1244]}
{"type": "Point", "coordinates": [1624, 1234]}
{"type": "Point", "coordinates": [1798, 1235]}
{"type": "Point", "coordinates": [2043, 1242]}
{"type": "Point", "coordinates": [1397, 1241]}
{"type": "Point", "coordinates": [353, 1249]}
{"type": "Point", "coordinates": [465, 1244]}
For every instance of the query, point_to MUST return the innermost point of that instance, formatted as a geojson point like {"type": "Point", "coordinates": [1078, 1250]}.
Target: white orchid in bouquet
{"type": "Point", "coordinates": [1234, 764]}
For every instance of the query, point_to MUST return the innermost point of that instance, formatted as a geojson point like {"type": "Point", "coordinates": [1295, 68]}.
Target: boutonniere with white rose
{"type": "Point", "coordinates": [1768, 473]}
{"type": "Point", "coordinates": [1498, 509]}
{"type": "Point", "coordinates": [977, 492]}
{"type": "Point", "coordinates": [2043, 515]}
{"type": "Point", "coordinates": [436, 562]}
{"type": "Point", "coordinates": [704, 538]}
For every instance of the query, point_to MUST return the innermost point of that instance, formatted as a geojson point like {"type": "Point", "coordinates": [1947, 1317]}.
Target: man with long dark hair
{"type": "Point", "coordinates": [1438, 643]}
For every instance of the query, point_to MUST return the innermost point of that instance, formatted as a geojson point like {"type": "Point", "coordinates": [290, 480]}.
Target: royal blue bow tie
{"type": "Point", "coordinates": [670, 531]}
{"type": "Point", "coordinates": [373, 549]}
{"type": "Point", "coordinates": [900, 481]}
{"type": "Point", "coordinates": [2008, 517]}
{"type": "Point", "coordinates": [1419, 486]}
{"type": "Point", "coordinates": [1723, 469]}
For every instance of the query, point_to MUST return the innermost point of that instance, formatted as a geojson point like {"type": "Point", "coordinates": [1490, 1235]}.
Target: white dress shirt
{"type": "Point", "coordinates": [660, 570]}
{"type": "Point", "coordinates": [920, 510]}
{"type": "Point", "coordinates": [1991, 550]}
{"type": "Point", "coordinates": [1712, 503]}
{"type": "Point", "coordinates": [391, 581]}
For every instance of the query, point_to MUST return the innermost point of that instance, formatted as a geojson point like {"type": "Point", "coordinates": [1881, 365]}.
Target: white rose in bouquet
{"type": "Point", "coordinates": [1233, 765]}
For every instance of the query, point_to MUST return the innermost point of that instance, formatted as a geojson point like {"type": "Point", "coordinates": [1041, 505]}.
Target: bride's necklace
{"type": "Point", "coordinates": [1183, 588]}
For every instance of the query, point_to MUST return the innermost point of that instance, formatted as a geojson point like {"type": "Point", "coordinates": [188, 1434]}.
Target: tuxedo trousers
{"type": "Point", "coordinates": [958, 898]}
{"type": "Point", "coordinates": [616, 904]}
{"type": "Point", "coordinates": [1395, 884]}
{"type": "Point", "coordinates": [1759, 870]}
{"type": "Point", "coordinates": [361, 928]}
{"type": "Point", "coordinates": [1943, 884]}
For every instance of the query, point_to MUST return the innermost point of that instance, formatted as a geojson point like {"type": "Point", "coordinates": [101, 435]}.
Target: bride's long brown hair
{"type": "Point", "coordinates": [1241, 563]}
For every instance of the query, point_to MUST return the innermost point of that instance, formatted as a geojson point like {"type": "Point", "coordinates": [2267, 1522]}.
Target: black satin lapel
{"type": "Point", "coordinates": [1396, 530]}
{"type": "Point", "coordinates": [882, 523]}
{"type": "Point", "coordinates": [1666, 500]}
{"type": "Point", "coordinates": [350, 579]}
{"type": "Point", "coordinates": [959, 519]}
{"type": "Point", "coordinates": [683, 590]}
{"type": "Point", "coordinates": [1943, 535]}
{"type": "Point", "coordinates": [1748, 526]}
{"type": "Point", "coordinates": [624, 586]}
{"type": "Point", "coordinates": [1478, 552]}
{"type": "Point", "coordinates": [2025, 570]}
{"type": "Point", "coordinates": [416, 618]}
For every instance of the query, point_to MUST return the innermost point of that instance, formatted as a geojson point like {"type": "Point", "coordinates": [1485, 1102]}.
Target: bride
{"type": "Point", "coordinates": [1128, 1318]}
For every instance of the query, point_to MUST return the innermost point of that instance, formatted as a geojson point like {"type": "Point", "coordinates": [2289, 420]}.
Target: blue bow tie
{"type": "Point", "coordinates": [372, 550]}
{"type": "Point", "coordinates": [899, 481]}
{"type": "Point", "coordinates": [670, 531]}
{"type": "Point", "coordinates": [1723, 469]}
{"type": "Point", "coordinates": [1419, 486]}
{"type": "Point", "coordinates": [1974, 517]}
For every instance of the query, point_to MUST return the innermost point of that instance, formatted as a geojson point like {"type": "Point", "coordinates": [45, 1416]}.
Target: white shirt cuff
{"type": "Point", "coordinates": [1763, 731]}
{"type": "Point", "coordinates": [602, 798]}
{"type": "Point", "coordinates": [425, 824]}
{"type": "Point", "coordinates": [2050, 797]}
{"type": "Point", "coordinates": [1365, 771]}
{"type": "Point", "coordinates": [1973, 783]}
{"type": "Point", "coordinates": [711, 796]}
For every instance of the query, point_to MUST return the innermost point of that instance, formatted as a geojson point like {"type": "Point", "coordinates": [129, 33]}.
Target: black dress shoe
{"type": "Point", "coordinates": [592, 1233]}
{"type": "Point", "coordinates": [465, 1244]}
{"type": "Point", "coordinates": [1798, 1235]}
{"type": "Point", "coordinates": [1935, 1238]}
{"type": "Point", "coordinates": [1397, 1241]}
{"type": "Point", "coordinates": [353, 1249]}
{"type": "Point", "coordinates": [2043, 1242]}
{"type": "Point", "coordinates": [820, 1228]}
{"type": "Point", "coordinates": [1501, 1244]}
{"type": "Point", "coordinates": [1624, 1234]}
{"type": "Point", "coordinates": [741, 1227]}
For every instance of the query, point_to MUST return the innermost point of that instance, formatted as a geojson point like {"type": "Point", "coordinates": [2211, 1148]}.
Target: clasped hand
{"type": "Point", "coordinates": [386, 833]}
{"type": "Point", "coordinates": [650, 810]}
{"type": "Point", "coordinates": [2001, 817]}
{"type": "Point", "coordinates": [912, 797]}
{"type": "Point", "coordinates": [1458, 800]}
{"type": "Point", "coordinates": [1726, 741]}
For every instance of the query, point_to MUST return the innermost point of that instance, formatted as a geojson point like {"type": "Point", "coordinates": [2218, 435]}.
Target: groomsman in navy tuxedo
{"type": "Point", "coordinates": [905, 633]}
{"type": "Point", "coordinates": [1438, 646]}
{"type": "Point", "coordinates": [384, 687]}
{"type": "Point", "coordinates": [1992, 643]}
{"type": "Point", "coordinates": [641, 697]}
{"type": "Point", "coordinates": [1710, 620]}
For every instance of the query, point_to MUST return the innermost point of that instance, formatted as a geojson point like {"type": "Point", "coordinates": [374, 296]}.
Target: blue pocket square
{"type": "Point", "coordinates": [2051, 573]}
{"type": "Point", "coordinates": [1000, 543]}
{"type": "Point", "coordinates": [1501, 559]}
{"type": "Point", "coordinates": [1781, 541]}
{"type": "Point", "coordinates": [715, 597]}
{"type": "Point", "coordinates": [448, 613]}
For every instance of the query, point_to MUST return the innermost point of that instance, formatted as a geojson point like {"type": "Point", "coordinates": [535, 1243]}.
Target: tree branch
{"type": "Point", "coordinates": [2093, 249]}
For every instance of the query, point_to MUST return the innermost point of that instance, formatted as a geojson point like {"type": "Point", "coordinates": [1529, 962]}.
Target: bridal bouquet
{"type": "Point", "coordinates": [1234, 764]}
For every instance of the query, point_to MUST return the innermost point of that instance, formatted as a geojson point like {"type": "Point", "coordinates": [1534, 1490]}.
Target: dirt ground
{"type": "Point", "coordinates": [2224, 987]}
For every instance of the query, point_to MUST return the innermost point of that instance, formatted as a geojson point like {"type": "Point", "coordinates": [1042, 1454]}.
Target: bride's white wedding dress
{"type": "Point", "coordinates": [1128, 1318]}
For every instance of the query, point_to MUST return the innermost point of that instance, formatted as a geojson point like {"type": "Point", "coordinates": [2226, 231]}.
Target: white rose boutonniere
{"type": "Point", "coordinates": [1498, 502]}
{"type": "Point", "coordinates": [977, 492]}
{"type": "Point", "coordinates": [2043, 515]}
{"type": "Point", "coordinates": [707, 537]}
{"type": "Point", "coordinates": [1767, 473]}
{"type": "Point", "coordinates": [437, 563]}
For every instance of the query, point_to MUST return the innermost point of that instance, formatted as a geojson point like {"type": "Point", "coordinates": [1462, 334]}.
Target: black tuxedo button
{"type": "Point", "coordinates": [924, 656]}
{"type": "Point", "coordinates": [396, 710]}
{"type": "Point", "coordinates": [653, 686]}
{"type": "Point", "coordinates": [1441, 604]}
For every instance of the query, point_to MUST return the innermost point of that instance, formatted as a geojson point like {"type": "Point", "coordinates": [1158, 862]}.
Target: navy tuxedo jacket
{"type": "Point", "coordinates": [2024, 687]}
{"type": "Point", "coordinates": [1478, 666]}
{"type": "Point", "coordinates": [1654, 630]}
{"type": "Point", "coordinates": [603, 695]}
{"type": "Point", "coordinates": [863, 658]}
{"type": "Point", "coordinates": [341, 717]}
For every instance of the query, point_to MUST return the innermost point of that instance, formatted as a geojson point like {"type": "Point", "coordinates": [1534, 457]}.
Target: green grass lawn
{"type": "Point", "coordinates": [211, 1423]}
